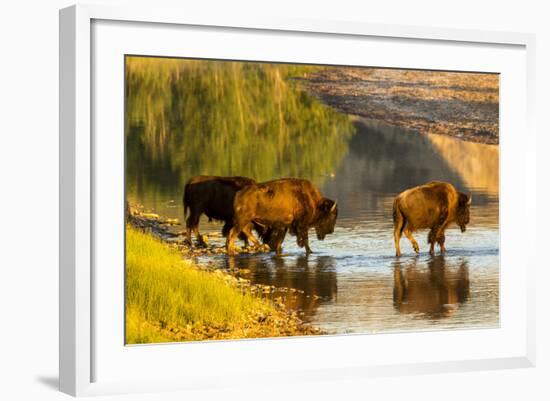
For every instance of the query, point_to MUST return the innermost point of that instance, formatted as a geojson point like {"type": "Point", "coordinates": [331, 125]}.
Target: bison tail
{"type": "Point", "coordinates": [398, 217]}
{"type": "Point", "coordinates": [185, 201]}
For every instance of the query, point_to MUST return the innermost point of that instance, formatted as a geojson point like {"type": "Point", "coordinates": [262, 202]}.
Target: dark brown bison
{"type": "Point", "coordinates": [212, 196]}
{"type": "Point", "coordinates": [287, 204]}
{"type": "Point", "coordinates": [435, 206]}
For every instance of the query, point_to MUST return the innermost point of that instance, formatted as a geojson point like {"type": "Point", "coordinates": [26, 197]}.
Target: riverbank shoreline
{"type": "Point", "coordinates": [460, 105]}
{"type": "Point", "coordinates": [267, 317]}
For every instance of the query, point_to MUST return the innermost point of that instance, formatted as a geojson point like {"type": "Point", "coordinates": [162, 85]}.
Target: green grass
{"type": "Point", "coordinates": [169, 299]}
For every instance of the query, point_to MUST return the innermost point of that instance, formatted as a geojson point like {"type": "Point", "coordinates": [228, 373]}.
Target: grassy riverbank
{"type": "Point", "coordinates": [170, 299]}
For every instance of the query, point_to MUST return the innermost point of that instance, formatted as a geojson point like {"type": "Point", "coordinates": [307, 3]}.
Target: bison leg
{"type": "Point", "coordinates": [302, 240]}
{"type": "Point", "coordinates": [278, 241]}
{"type": "Point", "coordinates": [188, 235]}
{"type": "Point", "coordinates": [441, 243]}
{"type": "Point", "coordinates": [230, 241]}
{"type": "Point", "coordinates": [397, 238]}
{"type": "Point", "coordinates": [226, 228]}
{"type": "Point", "coordinates": [440, 237]}
{"type": "Point", "coordinates": [408, 234]}
{"type": "Point", "coordinates": [225, 232]}
{"type": "Point", "coordinates": [279, 248]}
{"type": "Point", "coordinates": [247, 231]}
{"type": "Point", "coordinates": [244, 239]}
{"type": "Point", "coordinates": [437, 234]}
{"type": "Point", "coordinates": [192, 225]}
{"type": "Point", "coordinates": [398, 225]}
{"type": "Point", "coordinates": [432, 239]}
{"type": "Point", "coordinates": [274, 237]}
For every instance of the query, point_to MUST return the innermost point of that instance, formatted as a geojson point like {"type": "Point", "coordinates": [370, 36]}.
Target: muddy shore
{"type": "Point", "coordinates": [461, 105]}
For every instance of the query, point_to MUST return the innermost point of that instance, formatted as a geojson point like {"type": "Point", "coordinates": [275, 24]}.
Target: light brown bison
{"type": "Point", "coordinates": [287, 204]}
{"type": "Point", "coordinates": [435, 205]}
{"type": "Point", "coordinates": [212, 196]}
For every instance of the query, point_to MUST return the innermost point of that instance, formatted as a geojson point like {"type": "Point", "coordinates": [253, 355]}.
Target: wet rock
{"type": "Point", "coordinates": [150, 216]}
{"type": "Point", "coordinates": [174, 240]}
{"type": "Point", "coordinates": [170, 222]}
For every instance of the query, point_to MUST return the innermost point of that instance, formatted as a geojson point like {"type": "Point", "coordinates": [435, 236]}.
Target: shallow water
{"type": "Point", "coordinates": [352, 283]}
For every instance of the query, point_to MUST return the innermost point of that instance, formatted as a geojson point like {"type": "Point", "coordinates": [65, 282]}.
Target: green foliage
{"type": "Point", "coordinates": [189, 117]}
{"type": "Point", "coordinates": [162, 289]}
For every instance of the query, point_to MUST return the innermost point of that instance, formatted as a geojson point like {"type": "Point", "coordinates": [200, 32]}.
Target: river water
{"type": "Point", "coordinates": [353, 283]}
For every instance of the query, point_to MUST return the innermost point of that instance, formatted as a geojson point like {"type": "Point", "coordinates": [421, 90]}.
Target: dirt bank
{"type": "Point", "coordinates": [462, 105]}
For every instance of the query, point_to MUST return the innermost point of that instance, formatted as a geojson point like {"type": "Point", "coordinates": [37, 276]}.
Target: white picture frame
{"type": "Point", "coordinates": [80, 210]}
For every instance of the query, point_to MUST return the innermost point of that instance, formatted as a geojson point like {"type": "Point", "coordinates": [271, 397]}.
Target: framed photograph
{"type": "Point", "coordinates": [281, 199]}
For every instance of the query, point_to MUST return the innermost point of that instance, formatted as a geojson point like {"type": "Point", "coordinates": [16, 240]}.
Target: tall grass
{"type": "Point", "coordinates": [163, 290]}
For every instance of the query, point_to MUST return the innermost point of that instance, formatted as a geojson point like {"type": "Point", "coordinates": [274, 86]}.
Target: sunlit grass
{"type": "Point", "coordinates": [165, 292]}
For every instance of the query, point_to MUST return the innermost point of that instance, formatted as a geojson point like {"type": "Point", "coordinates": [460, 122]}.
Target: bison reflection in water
{"type": "Point", "coordinates": [435, 291]}
{"type": "Point", "coordinates": [287, 204]}
{"type": "Point", "coordinates": [435, 205]}
{"type": "Point", "coordinates": [312, 280]}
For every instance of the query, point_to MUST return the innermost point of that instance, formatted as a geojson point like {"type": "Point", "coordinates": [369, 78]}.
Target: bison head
{"type": "Point", "coordinates": [327, 211]}
{"type": "Point", "coordinates": [463, 211]}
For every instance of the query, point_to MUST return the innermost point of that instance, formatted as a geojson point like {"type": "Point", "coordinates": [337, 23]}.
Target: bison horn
{"type": "Point", "coordinates": [469, 199]}
{"type": "Point", "coordinates": [333, 208]}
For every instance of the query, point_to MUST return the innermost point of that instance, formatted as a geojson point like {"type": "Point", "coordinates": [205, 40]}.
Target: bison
{"type": "Point", "coordinates": [287, 204]}
{"type": "Point", "coordinates": [435, 206]}
{"type": "Point", "coordinates": [212, 196]}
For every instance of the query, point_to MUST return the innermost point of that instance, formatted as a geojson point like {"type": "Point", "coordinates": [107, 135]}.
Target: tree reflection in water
{"type": "Point", "coordinates": [191, 117]}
